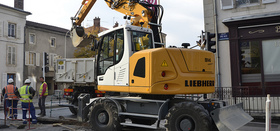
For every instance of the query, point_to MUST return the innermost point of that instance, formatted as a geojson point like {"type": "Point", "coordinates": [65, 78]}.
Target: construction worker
{"type": "Point", "coordinates": [11, 98]}
{"type": "Point", "coordinates": [27, 93]}
{"type": "Point", "coordinates": [43, 93]}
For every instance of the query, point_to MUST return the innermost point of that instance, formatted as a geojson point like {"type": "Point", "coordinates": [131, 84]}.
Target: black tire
{"type": "Point", "coordinates": [73, 110]}
{"type": "Point", "coordinates": [188, 116]}
{"type": "Point", "coordinates": [104, 116]}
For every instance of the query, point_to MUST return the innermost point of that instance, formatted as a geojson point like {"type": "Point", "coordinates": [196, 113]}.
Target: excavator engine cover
{"type": "Point", "coordinates": [186, 71]}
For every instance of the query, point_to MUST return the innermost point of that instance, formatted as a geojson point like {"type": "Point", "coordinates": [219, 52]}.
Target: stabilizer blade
{"type": "Point", "coordinates": [230, 118]}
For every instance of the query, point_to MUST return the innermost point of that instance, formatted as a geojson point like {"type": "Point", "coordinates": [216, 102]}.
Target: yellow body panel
{"type": "Point", "coordinates": [187, 71]}
{"type": "Point", "coordinates": [139, 81]}
{"type": "Point", "coordinates": [113, 88]}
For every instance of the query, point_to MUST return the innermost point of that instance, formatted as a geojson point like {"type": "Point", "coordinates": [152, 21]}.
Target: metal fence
{"type": "Point", "coordinates": [253, 99]}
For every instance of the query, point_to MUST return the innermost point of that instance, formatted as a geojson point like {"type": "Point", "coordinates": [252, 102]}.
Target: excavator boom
{"type": "Point", "coordinates": [83, 11]}
{"type": "Point", "coordinates": [140, 13]}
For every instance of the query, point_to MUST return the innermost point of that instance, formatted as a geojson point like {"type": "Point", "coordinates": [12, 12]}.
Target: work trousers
{"type": "Point", "coordinates": [25, 107]}
{"type": "Point", "coordinates": [10, 104]}
{"type": "Point", "coordinates": [42, 104]}
{"type": "Point", "coordinates": [5, 105]}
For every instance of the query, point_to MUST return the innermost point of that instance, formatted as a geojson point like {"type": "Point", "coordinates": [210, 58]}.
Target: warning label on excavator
{"type": "Point", "coordinates": [164, 64]}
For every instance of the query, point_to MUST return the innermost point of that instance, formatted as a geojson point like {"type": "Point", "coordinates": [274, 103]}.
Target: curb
{"type": "Point", "coordinates": [37, 107]}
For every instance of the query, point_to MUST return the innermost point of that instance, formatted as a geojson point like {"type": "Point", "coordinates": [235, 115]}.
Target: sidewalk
{"type": "Point", "coordinates": [51, 102]}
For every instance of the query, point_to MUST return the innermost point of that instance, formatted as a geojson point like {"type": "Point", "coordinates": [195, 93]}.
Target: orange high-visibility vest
{"type": "Point", "coordinates": [10, 91]}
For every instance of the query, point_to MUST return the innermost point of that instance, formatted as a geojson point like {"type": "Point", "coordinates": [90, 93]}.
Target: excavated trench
{"type": "Point", "coordinates": [62, 120]}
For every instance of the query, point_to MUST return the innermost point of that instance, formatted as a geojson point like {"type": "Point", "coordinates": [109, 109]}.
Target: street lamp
{"type": "Point", "coordinates": [65, 43]}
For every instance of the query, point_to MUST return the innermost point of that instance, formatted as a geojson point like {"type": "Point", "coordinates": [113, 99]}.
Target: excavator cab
{"type": "Point", "coordinates": [115, 47]}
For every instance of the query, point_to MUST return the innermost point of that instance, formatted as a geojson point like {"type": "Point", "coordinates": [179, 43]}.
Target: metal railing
{"type": "Point", "coordinates": [253, 98]}
{"type": "Point", "coordinates": [8, 111]}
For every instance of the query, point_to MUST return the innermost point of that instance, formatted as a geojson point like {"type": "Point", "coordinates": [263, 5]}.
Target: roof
{"type": "Point", "coordinates": [15, 9]}
{"type": "Point", "coordinates": [47, 27]}
{"type": "Point", "coordinates": [92, 28]}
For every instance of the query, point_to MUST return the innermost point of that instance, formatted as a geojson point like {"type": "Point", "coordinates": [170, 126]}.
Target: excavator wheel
{"type": "Point", "coordinates": [188, 116]}
{"type": "Point", "coordinates": [104, 116]}
{"type": "Point", "coordinates": [74, 110]}
{"type": "Point", "coordinates": [75, 95]}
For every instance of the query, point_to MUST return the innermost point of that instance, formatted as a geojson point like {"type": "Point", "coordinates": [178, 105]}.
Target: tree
{"type": "Point", "coordinates": [84, 52]}
{"type": "Point", "coordinates": [87, 52]}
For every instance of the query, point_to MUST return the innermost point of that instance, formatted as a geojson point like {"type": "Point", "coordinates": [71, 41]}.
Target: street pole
{"type": "Point", "coordinates": [268, 114]}
{"type": "Point", "coordinates": [65, 43]}
{"type": "Point", "coordinates": [44, 65]}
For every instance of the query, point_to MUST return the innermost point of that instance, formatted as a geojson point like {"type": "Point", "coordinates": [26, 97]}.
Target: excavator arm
{"type": "Point", "coordinates": [140, 13]}
{"type": "Point", "coordinates": [83, 11]}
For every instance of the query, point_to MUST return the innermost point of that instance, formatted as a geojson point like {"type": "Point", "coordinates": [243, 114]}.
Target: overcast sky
{"type": "Point", "coordinates": [182, 20]}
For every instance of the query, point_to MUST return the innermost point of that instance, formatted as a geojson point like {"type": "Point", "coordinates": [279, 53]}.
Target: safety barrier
{"type": "Point", "coordinates": [57, 95]}
{"type": "Point", "coordinates": [11, 108]}
{"type": "Point", "coordinates": [253, 98]}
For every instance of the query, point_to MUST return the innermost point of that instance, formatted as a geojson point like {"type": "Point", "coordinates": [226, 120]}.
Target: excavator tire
{"type": "Point", "coordinates": [188, 116]}
{"type": "Point", "coordinates": [73, 110]}
{"type": "Point", "coordinates": [104, 116]}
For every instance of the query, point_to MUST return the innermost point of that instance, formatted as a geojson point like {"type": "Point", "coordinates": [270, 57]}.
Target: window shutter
{"type": "Point", "coordinates": [14, 55]}
{"type": "Point", "coordinates": [26, 57]}
{"type": "Point", "coordinates": [6, 28]}
{"type": "Point", "coordinates": [18, 31]}
{"type": "Point", "coordinates": [4, 80]}
{"type": "Point", "coordinates": [227, 4]}
{"type": "Point", "coordinates": [1, 28]}
{"type": "Point", "coordinates": [268, 1]}
{"type": "Point", "coordinates": [37, 59]}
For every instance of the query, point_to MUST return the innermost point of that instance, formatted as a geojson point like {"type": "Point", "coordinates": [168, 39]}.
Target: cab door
{"type": "Point", "coordinates": [106, 60]}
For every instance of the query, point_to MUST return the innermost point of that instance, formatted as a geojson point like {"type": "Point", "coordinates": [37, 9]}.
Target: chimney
{"type": "Point", "coordinates": [96, 22]}
{"type": "Point", "coordinates": [18, 4]}
{"type": "Point", "coordinates": [116, 25]}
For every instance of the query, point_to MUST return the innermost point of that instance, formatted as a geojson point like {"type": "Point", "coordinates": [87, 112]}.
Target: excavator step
{"type": "Point", "coordinates": [139, 115]}
{"type": "Point", "coordinates": [137, 99]}
{"type": "Point", "coordinates": [139, 125]}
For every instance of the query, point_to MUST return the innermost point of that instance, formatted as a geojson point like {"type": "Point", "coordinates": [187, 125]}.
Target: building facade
{"type": "Point", "coordinates": [40, 38]}
{"type": "Point", "coordinates": [12, 25]}
{"type": "Point", "coordinates": [248, 43]}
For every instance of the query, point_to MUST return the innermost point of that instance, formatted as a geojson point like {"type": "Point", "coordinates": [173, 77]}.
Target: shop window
{"type": "Point", "coordinates": [250, 61]}
{"type": "Point", "coordinates": [271, 61]}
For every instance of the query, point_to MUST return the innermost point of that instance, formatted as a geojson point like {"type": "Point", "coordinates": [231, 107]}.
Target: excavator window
{"type": "Point", "coordinates": [111, 50]}
{"type": "Point", "coordinates": [119, 45]}
{"type": "Point", "coordinates": [141, 41]}
{"type": "Point", "coordinates": [106, 54]}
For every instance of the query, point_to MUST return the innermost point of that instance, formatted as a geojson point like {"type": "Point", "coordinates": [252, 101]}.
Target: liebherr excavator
{"type": "Point", "coordinates": [131, 60]}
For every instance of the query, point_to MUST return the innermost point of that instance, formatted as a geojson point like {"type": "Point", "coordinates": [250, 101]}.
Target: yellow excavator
{"type": "Point", "coordinates": [144, 80]}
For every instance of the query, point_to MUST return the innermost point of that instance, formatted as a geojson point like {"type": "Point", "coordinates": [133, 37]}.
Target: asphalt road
{"type": "Point", "coordinates": [55, 113]}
